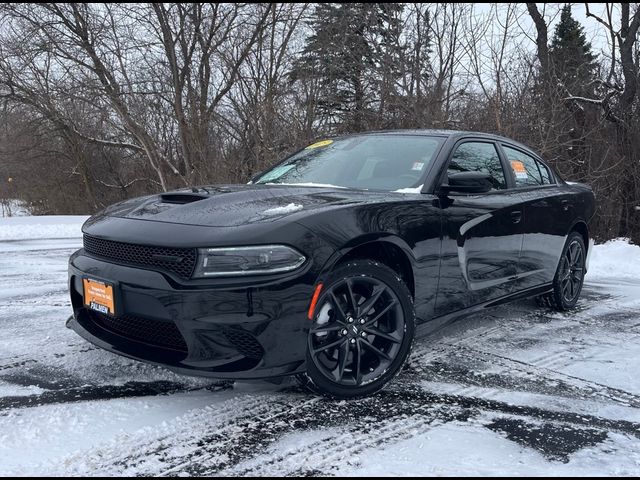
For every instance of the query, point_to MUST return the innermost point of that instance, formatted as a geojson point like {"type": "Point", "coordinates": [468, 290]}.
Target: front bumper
{"type": "Point", "coordinates": [254, 331]}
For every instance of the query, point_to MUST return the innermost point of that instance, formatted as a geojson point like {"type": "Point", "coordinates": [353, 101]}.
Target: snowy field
{"type": "Point", "coordinates": [518, 390]}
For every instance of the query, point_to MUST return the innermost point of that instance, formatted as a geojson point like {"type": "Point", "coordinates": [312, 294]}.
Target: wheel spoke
{"type": "Point", "coordinates": [343, 356]}
{"type": "Point", "coordinates": [357, 364]}
{"type": "Point", "coordinates": [328, 346]}
{"type": "Point", "coordinates": [571, 288]}
{"type": "Point", "coordinates": [327, 329]}
{"type": "Point", "coordinates": [376, 350]}
{"type": "Point", "coordinates": [368, 305]}
{"type": "Point", "coordinates": [566, 286]}
{"type": "Point", "coordinates": [352, 299]}
{"type": "Point", "coordinates": [575, 284]}
{"type": "Point", "coordinates": [379, 315]}
{"type": "Point", "coordinates": [336, 303]}
{"type": "Point", "coordinates": [379, 333]}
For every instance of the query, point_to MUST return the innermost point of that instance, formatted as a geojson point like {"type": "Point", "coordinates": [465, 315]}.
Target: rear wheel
{"type": "Point", "coordinates": [362, 331]}
{"type": "Point", "coordinates": [569, 278]}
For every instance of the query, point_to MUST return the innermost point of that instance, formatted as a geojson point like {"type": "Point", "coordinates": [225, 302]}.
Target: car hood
{"type": "Point", "coordinates": [234, 205]}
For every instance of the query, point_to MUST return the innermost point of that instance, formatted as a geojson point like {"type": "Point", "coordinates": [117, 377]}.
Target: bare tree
{"type": "Point", "coordinates": [104, 101]}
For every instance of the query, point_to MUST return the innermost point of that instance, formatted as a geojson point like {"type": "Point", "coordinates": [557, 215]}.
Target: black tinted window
{"type": "Point", "coordinates": [544, 171]}
{"type": "Point", "coordinates": [479, 157]}
{"type": "Point", "coordinates": [525, 168]}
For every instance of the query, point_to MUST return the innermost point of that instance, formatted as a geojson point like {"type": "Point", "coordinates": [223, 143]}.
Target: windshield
{"type": "Point", "coordinates": [380, 162]}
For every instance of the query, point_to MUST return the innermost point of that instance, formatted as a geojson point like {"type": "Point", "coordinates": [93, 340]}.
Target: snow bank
{"type": "Point", "coordinates": [45, 226]}
{"type": "Point", "coordinates": [615, 258]}
{"type": "Point", "coordinates": [13, 208]}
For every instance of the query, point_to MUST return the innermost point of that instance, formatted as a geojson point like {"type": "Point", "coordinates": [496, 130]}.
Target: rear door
{"type": "Point", "coordinates": [481, 233]}
{"type": "Point", "coordinates": [548, 213]}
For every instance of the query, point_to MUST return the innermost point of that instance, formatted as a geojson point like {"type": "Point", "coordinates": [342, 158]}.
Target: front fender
{"type": "Point", "coordinates": [362, 241]}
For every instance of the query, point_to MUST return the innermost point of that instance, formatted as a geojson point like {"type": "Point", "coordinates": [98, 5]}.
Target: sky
{"type": "Point", "coordinates": [595, 32]}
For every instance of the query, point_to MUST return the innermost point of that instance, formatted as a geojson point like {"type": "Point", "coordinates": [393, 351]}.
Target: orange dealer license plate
{"type": "Point", "coordinates": [99, 296]}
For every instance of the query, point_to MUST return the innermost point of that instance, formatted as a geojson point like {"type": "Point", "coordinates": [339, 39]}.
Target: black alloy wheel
{"type": "Point", "coordinates": [569, 278]}
{"type": "Point", "coordinates": [572, 271]}
{"type": "Point", "coordinates": [362, 330]}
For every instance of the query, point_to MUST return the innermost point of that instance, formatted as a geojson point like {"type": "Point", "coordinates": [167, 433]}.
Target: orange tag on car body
{"type": "Point", "coordinates": [99, 296]}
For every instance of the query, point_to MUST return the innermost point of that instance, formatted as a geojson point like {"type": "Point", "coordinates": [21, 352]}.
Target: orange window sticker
{"type": "Point", "coordinates": [519, 169]}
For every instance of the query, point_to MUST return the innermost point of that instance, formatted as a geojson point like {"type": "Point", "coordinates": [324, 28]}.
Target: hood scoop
{"type": "Point", "coordinates": [181, 198]}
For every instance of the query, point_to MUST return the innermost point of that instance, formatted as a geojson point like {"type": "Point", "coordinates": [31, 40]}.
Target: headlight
{"type": "Point", "coordinates": [259, 260]}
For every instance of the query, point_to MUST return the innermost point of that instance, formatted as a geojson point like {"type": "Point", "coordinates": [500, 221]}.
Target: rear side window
{"type": "Point", "coordinates": [526, 169]}
{"type": "Point", "coordinates": [544, 171]}
{"type": "Point", "coordinates": [479, 157]}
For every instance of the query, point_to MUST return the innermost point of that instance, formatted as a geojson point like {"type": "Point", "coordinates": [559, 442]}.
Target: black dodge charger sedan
{"type": "Point", "coordinates": [328, 265]}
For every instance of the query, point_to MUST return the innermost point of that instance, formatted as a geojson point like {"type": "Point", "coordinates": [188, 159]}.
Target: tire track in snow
{"type": "Point", "coordinates": [173, 446]}
{"type": "Point", "coordinates": [325, 454]}
{"type": "Point", "coordinates": [442, 363]}
{"type": "Point", "coordinates": [535, 379]}
{"type": "Point", "coordinates": [366, 423]}
{"type": "Point", "coordinates": [16, 363]}
{"type": "Point", "coordinates": [371, 422]}
{"type": "Point", "coordinates": [445, 360]}
{"type": "Point", "coordinates": [93, 392]}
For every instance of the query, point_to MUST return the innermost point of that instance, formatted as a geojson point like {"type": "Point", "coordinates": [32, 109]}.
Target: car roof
{"type": "Point", "coordinates": [449, 134]}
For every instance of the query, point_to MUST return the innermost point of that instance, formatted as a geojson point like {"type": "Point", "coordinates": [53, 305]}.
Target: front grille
{"type": "Point", "coordinates": [244, 342]}
{"type": "Point", "coordinates": [154, 332]}
{"type": "Point", "coordinates": [180, 261]}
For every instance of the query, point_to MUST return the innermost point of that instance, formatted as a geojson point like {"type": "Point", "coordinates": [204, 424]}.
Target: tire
{"type": "Point", "coordinates": [569, 277]}
{"type": "Point", "coordinates": [351, 356]}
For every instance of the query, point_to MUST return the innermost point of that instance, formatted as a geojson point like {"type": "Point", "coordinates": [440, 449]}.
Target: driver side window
{"type": "Point", "coordinates": [479, 157]}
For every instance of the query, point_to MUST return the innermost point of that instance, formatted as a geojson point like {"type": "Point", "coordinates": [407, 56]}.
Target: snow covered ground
{"type": "Point", "coordinates": [518, 390]}
{"type": "Point", "coordinates": [13, 208]}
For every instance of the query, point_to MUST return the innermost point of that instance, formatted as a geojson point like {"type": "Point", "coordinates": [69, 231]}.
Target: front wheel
{"type": "Point", "coordinates": [569, 277]}
{"type": "Point", "coordinates": [362, 331]}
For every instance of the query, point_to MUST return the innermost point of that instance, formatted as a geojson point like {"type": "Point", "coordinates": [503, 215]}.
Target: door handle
{"type": "Point", "coordinates": [516, 216]}
{"type": "Point", "coordinates": [565, 204]}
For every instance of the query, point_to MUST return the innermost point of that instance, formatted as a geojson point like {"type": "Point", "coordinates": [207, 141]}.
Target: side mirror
{"type": "Point", "coordinates": [468, 182]}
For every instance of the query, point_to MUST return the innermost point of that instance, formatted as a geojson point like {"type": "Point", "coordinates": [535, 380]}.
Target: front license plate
{"type": "Point", "coordinates": [99, 296]}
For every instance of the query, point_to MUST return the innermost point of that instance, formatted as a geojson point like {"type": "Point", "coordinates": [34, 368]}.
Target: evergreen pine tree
{"type": "Point", "coordinates": [571, 58]}
{"type": "Point", "coordinates": [351, 52]}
